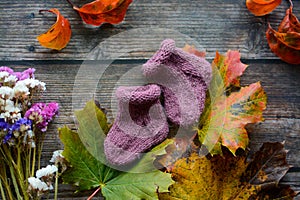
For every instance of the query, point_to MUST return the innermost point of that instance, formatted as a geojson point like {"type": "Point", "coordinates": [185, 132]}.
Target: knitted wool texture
{"type": "Point", "coordinates": [184, 79]}
{"type": "Point", "coordinates": [139, 125]}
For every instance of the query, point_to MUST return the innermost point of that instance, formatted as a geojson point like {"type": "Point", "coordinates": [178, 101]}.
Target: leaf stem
{"type": "Point", "coordinates": [71, 3]}
{"type": "Point", "coordinates": [90, 197]}
{"type": "Point", "coordinates": [292, 5]}
{"type": "Point", "coordinates": [40, 11]}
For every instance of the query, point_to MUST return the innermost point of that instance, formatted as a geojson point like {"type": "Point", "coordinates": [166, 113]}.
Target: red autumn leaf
{"type": "Point", "coordinates": [232, 68]}
{"type": "Point", "coordinates": [101, 11]}
{"type": "Point", "coordinates": [262, 7]}
{"type": "Point", "coordinates": [58, 36]}
{"type": "Point", "coordinates": [289, 23]}
{"type": "Point", "coordinates": [285, 45]}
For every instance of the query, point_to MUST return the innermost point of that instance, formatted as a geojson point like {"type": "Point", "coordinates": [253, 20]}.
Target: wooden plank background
{"type": "Point", "coordinates": [215, 25]}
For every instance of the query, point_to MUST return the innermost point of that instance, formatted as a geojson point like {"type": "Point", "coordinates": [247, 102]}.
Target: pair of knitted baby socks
{"type": "Point", "coordinates": [181, 79]}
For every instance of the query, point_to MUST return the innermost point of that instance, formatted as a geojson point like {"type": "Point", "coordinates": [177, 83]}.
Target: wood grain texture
{"type": "Point", "coordinates": [210, 25]}
{"type": "Point", "coordinates": [216, 25]}
{"type": "Point", "coordinates": [280, 81]}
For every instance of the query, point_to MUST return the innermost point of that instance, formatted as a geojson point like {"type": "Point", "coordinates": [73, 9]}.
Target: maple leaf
{"type": "Point", "coordinates": [262, 7]}
{"type": "Point", "coordinates": [231, 177]}
{"type": "Point", "coordinates": [58, 36]}
{"type": "Point", "coordinates": [84, 152]}
{"type": "Point", "coordinates": [229, 107]}
{"type": "Point", "coordinates": [101, 11]}
{"type": "Point", "coordinates": [87, 172]}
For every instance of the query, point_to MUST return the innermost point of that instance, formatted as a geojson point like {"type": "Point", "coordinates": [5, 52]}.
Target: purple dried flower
{"type": "Point", "coordinates": [41, 114]}
{"type": "Point", "coordinates": [4, 125]}
{"type": "Point", "coordinates": [6, 69]}
{"type": "Point", "coordinates": [21, 125]}
{"type": "Point", "coordinates": [7, 137]}
{"type": "Point", "coordinates": [28, 73]}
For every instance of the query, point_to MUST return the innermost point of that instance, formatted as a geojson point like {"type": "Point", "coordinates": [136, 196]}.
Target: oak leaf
{"type": "Point", "coordinates": [231, 177]}
{"type": "Point", "coordinates": [58, 36]}
{"type": "Point", "coordinates": [262, 7]}
{"type": "Point", "coordinates": [229, 107]}
{"type": "Point", "coordinates": [285, 45]}
{"type": "Point", "coordinates": [101, 11]}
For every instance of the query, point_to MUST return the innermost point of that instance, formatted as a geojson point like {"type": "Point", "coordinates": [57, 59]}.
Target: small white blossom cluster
{"type": "Point", "coordinates": [57, 155]}
{"type": "Point", "coordinates": [37, 184]}
{"type": "Point", "coordinates": [16, 88]}
{"type": "Point", "coordinates": [46, 171]}
{"type": "Point", "coordinates": [43, 181]}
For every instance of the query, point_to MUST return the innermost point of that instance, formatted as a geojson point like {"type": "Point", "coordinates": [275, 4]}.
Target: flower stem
{"type": "Point", "coordinates": [90, 197]}
{"type": "Point", "coordinates": [28, 163]}
{"type": "Point", "coordinates": [2, 191]}
{"type": "Point", "coordinates": [33, 161]}
{"type": "Point", "coordinates": [40, 148]}
{"type": "Point", "coordinates": [56, 185]}
{"type": "Point", "coordinates": [13, 177]}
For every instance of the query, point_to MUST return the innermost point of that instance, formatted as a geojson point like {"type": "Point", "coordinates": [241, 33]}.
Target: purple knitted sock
{"type": "Point", "coordinates": [139, 125]}
{"type": "Point", "coordinates": [184, 79]}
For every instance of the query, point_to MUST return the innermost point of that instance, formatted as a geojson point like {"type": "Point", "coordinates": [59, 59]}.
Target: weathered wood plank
{"type": "Point", "coordinates": [216, 25]}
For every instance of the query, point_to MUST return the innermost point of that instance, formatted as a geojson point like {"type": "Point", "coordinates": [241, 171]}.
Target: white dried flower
{"type": "Point", "coordinates": [46, 171]}
{"type": "Point", "coordinates": [56, 155]}
{"type": "Point", "coordinates": [6, 92]}
{"type": "Point", "coordinates": [10, 79]}
{"type": "Point", "coordinates": [3, 74]}
{"type": "Point", "coordinates": [33, 83]}
{"type": "Point", "coordinates": [37, 184]}
{"type": "Point", "coordinates": [20, 89]}
{"type": "Point", "coordinates": [10, 111]}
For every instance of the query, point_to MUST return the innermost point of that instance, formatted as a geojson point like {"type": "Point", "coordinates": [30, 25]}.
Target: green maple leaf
{"type": "Point", "coordinates": [229, 107]}
{"type": "Point", "coordinates": [88, 171]}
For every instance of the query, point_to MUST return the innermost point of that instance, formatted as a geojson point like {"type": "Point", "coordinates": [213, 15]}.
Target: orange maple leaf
{"type": "Point", "coordinates": [262, 7]}
{"type": "Point", "coordinates": [58, 36]}
{"type": "Point", "coordinates": [101, 11]}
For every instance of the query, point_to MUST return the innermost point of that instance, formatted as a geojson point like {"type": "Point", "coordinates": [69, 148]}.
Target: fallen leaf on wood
{"type": "Point", "coordinates": [285, 45]}
{"type": "Point", "coordinates": [231, 177]}
{"type": "Point", "coordinates": [229, 107]}
{"type": "Point", "coordinates": [101, 11]}
{"type": "Point", "coordinates": [262, 7]}
{"type": "Point", "coordinates": [58, 36]}
{"type": "Point", "coordinates": [290, 23]}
